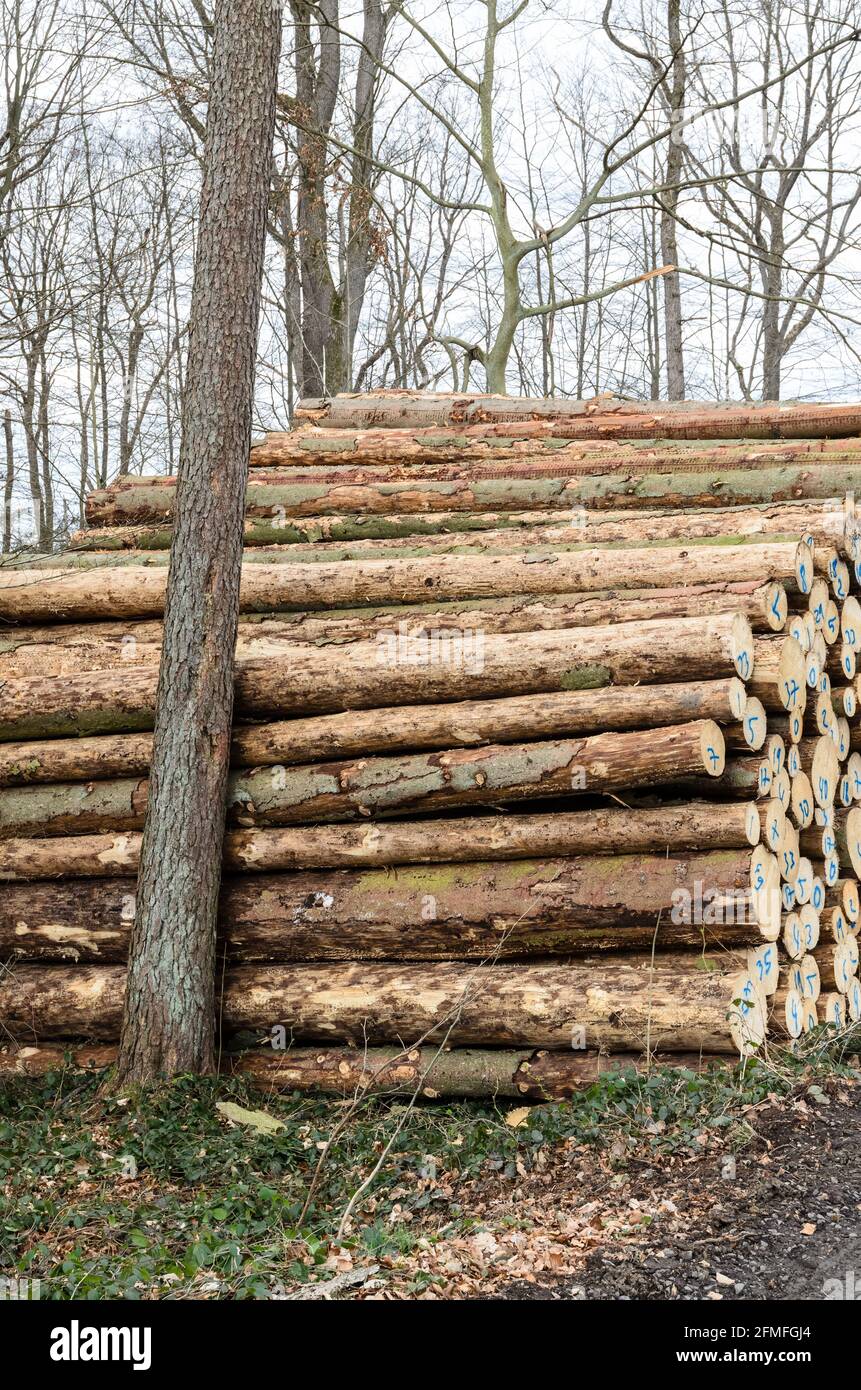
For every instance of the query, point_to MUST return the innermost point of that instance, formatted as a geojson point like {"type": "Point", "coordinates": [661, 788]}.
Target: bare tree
{"type": "Point", "coordinates": [44, 49]}
{"type": "Point", "coordinates": [665, 55]}
{"type": "Point", "coordinates": [787, 212]}
{"type": "Point", "coordinates": [328, 302]}
{"type": "Point", "coordinates": [169, 1015]}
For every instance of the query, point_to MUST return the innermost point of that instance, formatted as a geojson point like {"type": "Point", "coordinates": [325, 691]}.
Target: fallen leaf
{"type": "Point", "coordinates": [255, 1119]}
{"type": "Point", "coordinates": [516, 1118]}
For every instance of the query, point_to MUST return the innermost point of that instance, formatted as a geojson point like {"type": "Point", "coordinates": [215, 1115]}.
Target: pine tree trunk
{"type": "Point", "coordinates": [169, 1014]}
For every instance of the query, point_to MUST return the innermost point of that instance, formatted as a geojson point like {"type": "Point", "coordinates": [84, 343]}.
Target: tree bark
{"type": "Point", "coordinates": [664, 829]}
{"type": "Point", "coordinates": [673, 1003]}
{"type": "Point", "coordinates": [8, 483]}
{"type": "Point", "coordinates": [675, 86]}
{"type": "Point", "coordinates": [517, 718]}
{"type": "Point", "coordinates": [491, 775]}
{"type": "Point", "coordinates": [169, 1015]}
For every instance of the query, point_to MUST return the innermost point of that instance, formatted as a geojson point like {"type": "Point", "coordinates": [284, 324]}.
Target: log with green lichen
{"type": "Point", "coordinates": [393, 784]}
{"type": "Point", "coordinates": [430, 1072]}
{"type": "Point", "coordinates": [479, 911]}
{"type": "Point", "coordinates": [371, 536]}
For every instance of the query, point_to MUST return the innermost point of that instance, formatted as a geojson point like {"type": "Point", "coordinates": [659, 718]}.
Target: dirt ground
{"type": "Point", "coordinates": [783, 1228]}
{"type": "Point", "coordinates": [781, 1219]}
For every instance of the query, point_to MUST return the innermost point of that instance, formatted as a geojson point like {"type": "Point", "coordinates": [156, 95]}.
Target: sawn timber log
{"type": "Point", "coordinates": [480, 911]}
{"type": "Point", "coordinates": [404, 669]}
{"type": "Point", "coordinates": [641, 830]}
{"type": "Point", "coordinates": [490, 775]}
{"type": "Point", "coordinates": [626, 1005]}
{"type": "Point", "coordinates": [127, 592]}
{"type": "Point", "coordinates": [516, 719]}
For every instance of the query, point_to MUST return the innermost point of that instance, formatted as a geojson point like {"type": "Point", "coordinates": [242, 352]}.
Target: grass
{"type": "Point", "coordinates": [157, 1195]}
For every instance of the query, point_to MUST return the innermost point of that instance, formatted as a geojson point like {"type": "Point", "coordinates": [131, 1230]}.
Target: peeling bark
{"type": "Point", "coordinates": [459, 488]}
{"type": "Point", "coordinates": [591, 419]}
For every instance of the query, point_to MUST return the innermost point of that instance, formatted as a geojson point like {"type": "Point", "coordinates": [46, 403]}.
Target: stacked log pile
{"type": "Point", "coordinates": [547, 753]}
